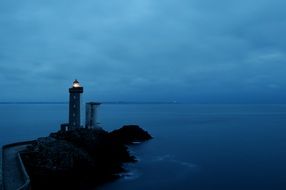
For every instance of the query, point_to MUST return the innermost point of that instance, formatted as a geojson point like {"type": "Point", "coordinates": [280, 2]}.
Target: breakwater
{"type": "Point", "coordinates": [14, 175]}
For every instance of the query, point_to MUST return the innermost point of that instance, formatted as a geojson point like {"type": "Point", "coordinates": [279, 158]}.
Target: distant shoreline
{"type": "Point", "coordinates": [116, 102]}
{"type": "Point", "coordinates": [135, 102]}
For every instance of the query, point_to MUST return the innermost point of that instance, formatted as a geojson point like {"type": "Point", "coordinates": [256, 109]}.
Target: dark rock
{"type": "Point", "coordinates": [51, 154]}
{"type": "Point", "coordinates": [78, 158]}
{"type": "Point", "coordinates": [129, 134]}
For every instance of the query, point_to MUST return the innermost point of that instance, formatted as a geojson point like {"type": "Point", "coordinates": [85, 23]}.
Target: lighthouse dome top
{"type": "Point", "coordinates": [76, 84]}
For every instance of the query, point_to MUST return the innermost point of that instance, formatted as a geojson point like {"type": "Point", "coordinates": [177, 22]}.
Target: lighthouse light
{"type": "Point", "coordinates": [76, 84]}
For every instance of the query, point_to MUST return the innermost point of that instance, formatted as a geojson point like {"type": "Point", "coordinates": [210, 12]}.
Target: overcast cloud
{"type": "Point", "coordinates": [149, 50]}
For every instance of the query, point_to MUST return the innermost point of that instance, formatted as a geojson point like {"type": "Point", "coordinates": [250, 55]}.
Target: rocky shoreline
{"type": "Point", "coordinates": [1, 175]}
{"type": "Point", "coordinates": [80, 158]}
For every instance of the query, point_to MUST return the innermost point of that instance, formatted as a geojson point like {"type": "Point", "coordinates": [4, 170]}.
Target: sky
{"type": "Point", "coordinates": [198, 51]}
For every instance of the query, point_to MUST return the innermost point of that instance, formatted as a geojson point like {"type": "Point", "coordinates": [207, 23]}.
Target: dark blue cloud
{"type": "Point", "coordinates": [188, 50]}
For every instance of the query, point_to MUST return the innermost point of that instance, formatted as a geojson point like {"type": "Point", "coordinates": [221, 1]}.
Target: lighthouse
{"type": "Point", "coordinates": [74, 105]}
{"type": "Point", "coordinates": [74, 110]}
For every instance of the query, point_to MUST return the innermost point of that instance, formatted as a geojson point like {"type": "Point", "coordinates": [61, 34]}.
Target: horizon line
{"type": "Point", "coordinates": [141, 102]}
{"type": "Point", "coordinates": [103, 102]}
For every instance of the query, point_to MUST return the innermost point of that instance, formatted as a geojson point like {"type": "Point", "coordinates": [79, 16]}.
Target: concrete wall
{"type": "Point", "coordinates": [2, 164]}
{"type": "Point", "coordinates": [21, 167]}
{"type": "Point", "coordinates": [27, 184]}
{"type": "Point", "coordinates": [1, 187]}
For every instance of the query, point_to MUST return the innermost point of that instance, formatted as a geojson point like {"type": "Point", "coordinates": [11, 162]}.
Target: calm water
{"type": "Point", "coordinates": [196, 147]}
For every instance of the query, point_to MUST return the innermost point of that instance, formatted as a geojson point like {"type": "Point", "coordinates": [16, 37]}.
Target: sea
{"type": "Point", "coordinates": [195, 147]}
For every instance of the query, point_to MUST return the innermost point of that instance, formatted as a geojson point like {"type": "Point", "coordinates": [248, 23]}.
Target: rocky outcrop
{"type": "Point", "coordinates": [81, 158]}
{"type": "Point", "coordinates": [129, 134]}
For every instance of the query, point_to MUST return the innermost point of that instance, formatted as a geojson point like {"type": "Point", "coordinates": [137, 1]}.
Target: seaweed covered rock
{"type": "Point", "coordinates": [129, 134]}
{"type": "Point", "coordinates": [78, 158]}
{"type": "Point", "coordinates": [100, 145]}
{"type": "Point", "coordinates": [57, 164]}
{"type": "Point", "coordinates": [51, 154]}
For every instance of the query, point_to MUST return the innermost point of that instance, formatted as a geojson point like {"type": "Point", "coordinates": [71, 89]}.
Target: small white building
{"type": "Point", "coordinates": [91, 115]}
